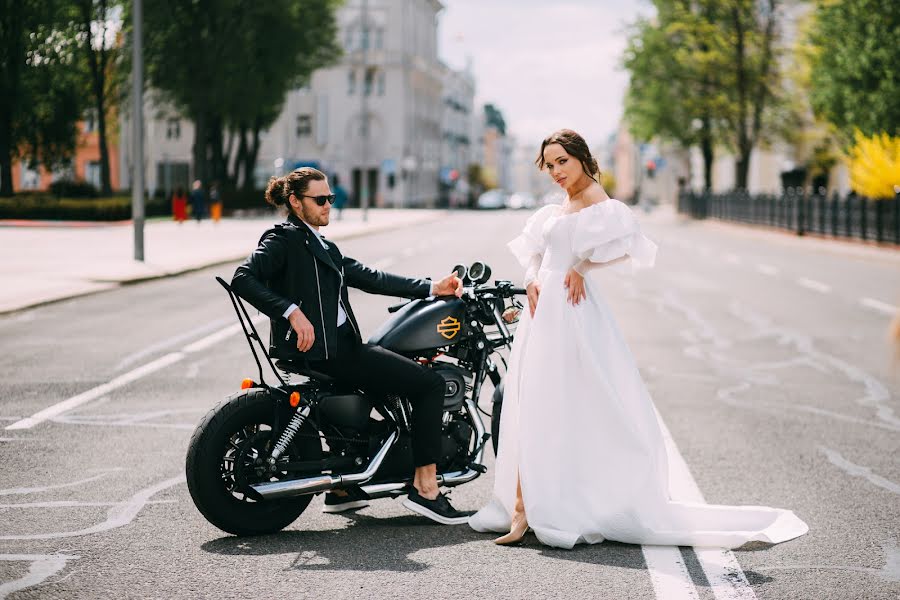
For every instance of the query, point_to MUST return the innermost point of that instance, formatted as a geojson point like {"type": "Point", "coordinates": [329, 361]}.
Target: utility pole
{"type": "Point", "coordinates": [137, 163]}
{"type": "Point", "coordinates": [364, 128]}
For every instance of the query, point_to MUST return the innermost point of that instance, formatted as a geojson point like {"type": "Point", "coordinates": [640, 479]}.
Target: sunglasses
{"type": "Point", "coordinates": [321, 200]}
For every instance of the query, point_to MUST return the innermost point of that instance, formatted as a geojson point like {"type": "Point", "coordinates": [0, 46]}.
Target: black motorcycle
{"type": "Point", "coordinates": [257, 459]}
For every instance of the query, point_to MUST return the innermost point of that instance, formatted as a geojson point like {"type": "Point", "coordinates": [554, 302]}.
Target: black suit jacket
{"type": "Point", "coordinates": [290, 266]}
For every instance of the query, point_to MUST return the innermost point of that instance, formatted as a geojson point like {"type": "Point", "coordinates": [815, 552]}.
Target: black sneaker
{"type": "Point", "coordinates": [438, 510]}
{"type": "Point", "coordinates": [355, 498]}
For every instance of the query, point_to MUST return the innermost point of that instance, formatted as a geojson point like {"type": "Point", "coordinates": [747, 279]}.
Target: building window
{"type": "Point", "coordinates": [29, 179]}
{"type": "Point", "coordinates": [92, 173]}
{"type": "Point", "coordinates": [304, 125]}
{"type": "Point", "coordinates": [365, 38]}
{"type": "Point", "coordinates": [348, 39]}
{"type": "Point", "coordinates": [351, 82]}
{"type": "Point", "coordinates": [173, 129]}
{"type": "Point", "coordinates": [379, 38]}
{"type": "Point", "coordinates": [381, 83]}
{"type": "Point", "coordinates": [90, 120]}
{"type": "Point", "coordinates": [370, 79]}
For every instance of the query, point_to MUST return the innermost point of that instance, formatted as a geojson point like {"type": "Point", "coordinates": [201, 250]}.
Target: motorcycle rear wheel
{"type": "Point", "coordinates": [220, 464]}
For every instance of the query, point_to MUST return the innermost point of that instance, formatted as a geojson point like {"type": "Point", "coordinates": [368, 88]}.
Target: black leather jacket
{"type": "Point", "coordinates": [290, 266]}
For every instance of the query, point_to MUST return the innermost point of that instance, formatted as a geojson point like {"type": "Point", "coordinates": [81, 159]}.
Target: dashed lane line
{"type": "Point", "coordinates": [879, 306]}
{"type": "Point", "coordinates": [129, 377]}
{"type": "Point", "coordinates": [816, 286]}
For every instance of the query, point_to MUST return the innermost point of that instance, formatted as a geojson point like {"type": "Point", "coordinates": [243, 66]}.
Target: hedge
{"type": "Point", "coordinates": [48, 207]}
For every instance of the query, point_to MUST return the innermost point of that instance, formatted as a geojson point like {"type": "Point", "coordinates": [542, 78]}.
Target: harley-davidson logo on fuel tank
{"type": "Point", "coordinates": [449, 327]}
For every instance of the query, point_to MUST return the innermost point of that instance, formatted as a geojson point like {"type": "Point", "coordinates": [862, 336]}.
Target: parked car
{"type": "Point", "coordinates": [521, 200]}
{"type": "Point", "coordinates": [491, 199]}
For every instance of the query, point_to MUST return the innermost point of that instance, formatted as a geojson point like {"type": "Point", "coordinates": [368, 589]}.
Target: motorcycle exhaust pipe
{"type": "Point", "coordinates": [323, 483]}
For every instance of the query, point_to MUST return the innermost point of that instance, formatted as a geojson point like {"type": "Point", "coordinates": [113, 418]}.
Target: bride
{"type": "Point", "coordinates": [581, 456]}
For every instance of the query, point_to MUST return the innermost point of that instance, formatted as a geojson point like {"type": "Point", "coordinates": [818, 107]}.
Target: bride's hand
{"type": "Point", "coordinates": [533, 291]}
{"type": "Point", "coordinates": [574, 282]}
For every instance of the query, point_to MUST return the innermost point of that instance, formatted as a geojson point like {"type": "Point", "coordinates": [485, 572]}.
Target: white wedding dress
{"type": "Point", "coordinates": [578, 425]}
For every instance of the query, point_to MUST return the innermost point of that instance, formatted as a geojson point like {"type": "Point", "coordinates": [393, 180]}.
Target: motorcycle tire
{"type": "Point", "coordinates": [206, 477]}
{"type": "Point", "coordinates": [496, 409]}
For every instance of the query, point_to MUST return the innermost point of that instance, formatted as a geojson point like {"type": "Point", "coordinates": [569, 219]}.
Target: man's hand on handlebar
{"type": "Point", "coordinates": [451, 285]}
{"type": "Point", "coordinates": [306, 335]}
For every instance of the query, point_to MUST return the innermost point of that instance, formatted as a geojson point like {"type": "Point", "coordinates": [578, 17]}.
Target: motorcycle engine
{"type": "Point", "coordinates": [454, 385]}
{"type": "Point", "coordinates": [455, 446]}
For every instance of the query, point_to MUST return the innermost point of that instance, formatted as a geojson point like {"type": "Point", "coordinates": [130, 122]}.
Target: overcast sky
{"type": "Point", "coordinates": [546, 65]}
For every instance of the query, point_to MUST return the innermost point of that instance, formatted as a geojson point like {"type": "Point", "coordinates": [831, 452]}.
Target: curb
{"type": "Point", "coordinates": [114, 284]}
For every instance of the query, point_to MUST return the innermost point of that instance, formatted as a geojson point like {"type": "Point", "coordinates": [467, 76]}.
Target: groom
{"type": "Point", "coordinates": [300, 281]}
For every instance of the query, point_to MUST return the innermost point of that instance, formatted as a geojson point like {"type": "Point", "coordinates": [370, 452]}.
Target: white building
{"type": "Point", "coordinates": [377, 120]}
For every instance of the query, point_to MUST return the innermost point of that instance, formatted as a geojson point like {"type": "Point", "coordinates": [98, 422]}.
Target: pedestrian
{"type": "Point", "coordinates": [592, 466]}
{"type": "Point", "coordinates": [179, 205]}
{"type": "Point", "coordinates": [198, 201]}
{"type": "Point", "coordinates": [340, 197]}
{"type": "Point", "coordinates": [215, 202]}
{"type": "Point", "coordinates": [300, 281]}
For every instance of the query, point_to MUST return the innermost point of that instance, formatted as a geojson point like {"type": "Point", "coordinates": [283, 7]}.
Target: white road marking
{"type": "Point", "coordinates": [43, 566]}
{"type": "Point", "coordinates": [94, 393]}
{"type": "Point", "coordinates": [725, 576]}
{"type": "Point", "coordinates": [37, 490]}
{"type": "Point", "coordinates": [767, 270]}
{"type": "Point", "coordinates": [668, 573]}
{"type": "Point", "coordinates": [129, 377]}
{"type": "Point", "coordinates": [882, 307]}
{"type": "Point", "coordinates": [119, 515]}
{"type": "Point", "coordinates": [858, 471]}
{"type": "Point", "coordinates": [72, 504]}
{"type": "Point", "coordinates": [170, 342]}
{"type": "Point", "coordinates": [814, 285]}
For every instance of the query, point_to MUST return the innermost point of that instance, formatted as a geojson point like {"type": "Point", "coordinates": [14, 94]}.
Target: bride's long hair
{"type": "Point", "coordinates": [575, 145]}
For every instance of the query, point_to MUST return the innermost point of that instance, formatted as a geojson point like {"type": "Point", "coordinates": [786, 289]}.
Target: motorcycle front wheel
{"type": "Point", "coordinates": [223, 460]}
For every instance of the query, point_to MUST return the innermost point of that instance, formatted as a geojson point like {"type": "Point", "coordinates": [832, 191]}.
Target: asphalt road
{"type": "Point", "coordinates": [766, 356]}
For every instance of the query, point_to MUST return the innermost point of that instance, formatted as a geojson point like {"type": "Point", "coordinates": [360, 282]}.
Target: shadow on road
{"type": "Point", "coordinates": [366, 544]}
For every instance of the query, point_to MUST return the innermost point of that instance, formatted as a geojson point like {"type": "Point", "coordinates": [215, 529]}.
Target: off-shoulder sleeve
{"type": "Point", "coordinates": [531, 241]}
{"type": "Point", "coordinates": [610, 230]}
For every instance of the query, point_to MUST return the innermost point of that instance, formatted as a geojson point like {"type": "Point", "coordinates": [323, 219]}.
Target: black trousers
{"type": "Point", "coordinates": [379, 371]}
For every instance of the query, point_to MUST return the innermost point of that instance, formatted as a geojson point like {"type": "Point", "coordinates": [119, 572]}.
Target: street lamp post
{"type": "Point", "coordinates": [364, 128]}
{"type": "Point", "coordinates": [137, 182]}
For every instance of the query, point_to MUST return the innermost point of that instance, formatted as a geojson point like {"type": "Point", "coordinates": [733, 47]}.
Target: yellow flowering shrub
{"type": "Point", "coordinates": [874, 164]}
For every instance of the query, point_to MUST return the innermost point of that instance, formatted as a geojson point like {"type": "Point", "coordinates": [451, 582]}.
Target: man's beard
{"type": "Point", "coordinates": [313, 219]}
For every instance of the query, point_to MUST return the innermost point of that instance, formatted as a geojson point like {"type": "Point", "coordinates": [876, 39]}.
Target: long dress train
{"type": "Point", "coordinates": [578, 425]}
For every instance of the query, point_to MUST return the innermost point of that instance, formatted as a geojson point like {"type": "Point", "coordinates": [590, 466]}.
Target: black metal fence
{"type": "Point", "coordinates": [802, 212]}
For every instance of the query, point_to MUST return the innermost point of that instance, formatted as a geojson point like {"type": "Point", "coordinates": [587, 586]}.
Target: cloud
{"type": "Point", "coordinates": [544, 65]}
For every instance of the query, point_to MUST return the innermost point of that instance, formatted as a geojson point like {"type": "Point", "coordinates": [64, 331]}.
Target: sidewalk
{"type": "Point", "coordinates": [56, 261]}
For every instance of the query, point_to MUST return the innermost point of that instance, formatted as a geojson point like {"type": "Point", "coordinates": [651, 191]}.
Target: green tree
{"type": "Point", "coordinates": [705, 72]}
{"type": "Point", "coordinates": [40, 102]}
{"type": "Point", "coordinates": [856, 53]}
{"type": "Point", "coordinates": [227, 65]}
{"type": "Point", "coordinates": [675, 91]}
{"type": "Point", "coordinates": [97, 23]}
{"type": "Point", "coordinates": [494, 118]}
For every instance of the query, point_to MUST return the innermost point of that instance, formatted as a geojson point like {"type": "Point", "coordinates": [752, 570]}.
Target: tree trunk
{"type": "Point", "coordinates": [240, 173]}
{"type": "Point", "coordinates": [105, 177]}
{"type": "Point", "coordinates": [707, 149]}
{"type": "Point", "coordinates": [217, 157]}
{"type": "Point", "coordinates": [250, 159]}
{"type": "Point", "coordinates": [6, 183]}
{"type": "Point", "coordinates": [741, 169]}
{"type": "Point", "coordinates": [199, 147]}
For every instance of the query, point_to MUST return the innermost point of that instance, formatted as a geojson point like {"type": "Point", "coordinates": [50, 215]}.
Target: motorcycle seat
{"type": "Point", "coordinates": [299, 368]}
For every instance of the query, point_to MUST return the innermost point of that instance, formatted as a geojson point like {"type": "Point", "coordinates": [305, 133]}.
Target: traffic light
{"type": "Point", "coordinates": [651, 169]}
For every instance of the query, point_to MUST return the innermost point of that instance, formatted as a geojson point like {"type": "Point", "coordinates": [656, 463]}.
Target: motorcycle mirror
{"type": "Point", "coordinates": [479, 272]}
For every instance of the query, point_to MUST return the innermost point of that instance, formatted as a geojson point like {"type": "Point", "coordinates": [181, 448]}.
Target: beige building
{"type": "Point", "coordinates": [379, 119]}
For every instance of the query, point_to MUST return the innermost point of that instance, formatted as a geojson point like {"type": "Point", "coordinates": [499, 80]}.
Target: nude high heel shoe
{"type": "Point", "coordinates": [519, 526]}
{"type": "Point", "coordinates": [516, 532]}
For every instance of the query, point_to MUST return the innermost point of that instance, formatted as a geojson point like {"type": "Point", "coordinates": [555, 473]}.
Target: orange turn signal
{"type": "Point", "coordinates": [295, 399]}
{"type": "Point", "coordinates": [246, 384]}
